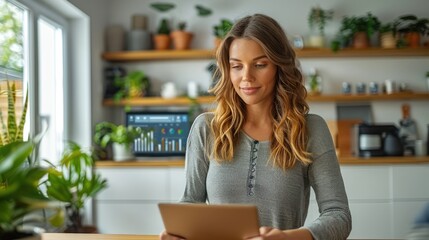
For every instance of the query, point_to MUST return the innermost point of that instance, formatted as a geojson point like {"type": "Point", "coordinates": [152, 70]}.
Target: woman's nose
{"type": "Point", "coordinates": [247, 74]}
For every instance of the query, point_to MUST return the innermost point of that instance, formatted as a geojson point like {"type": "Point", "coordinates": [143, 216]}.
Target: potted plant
{"type": "Point", "coordinates": [220, 30]}
{"type": "Point", "coordinates": [133, 85]}
{"type": "Point", "coordinates": [20, 195]}
{"type": "Point", "coordinates": [120, 136]}
{"type": "Point", "coordinates": [181, 38]}
{"type": "Point", "coordinates": [317, 19]}
{"type": "Point", "coordinates": [358, 30]}
{"type": "Point", "coordinates": [412, 28]}
{"type": "Point", "coordinates": [73, 182]}
{"type": "Point", "coordinates": [387, 36]}
{"type": "Point", "coordinates": [162, 38]}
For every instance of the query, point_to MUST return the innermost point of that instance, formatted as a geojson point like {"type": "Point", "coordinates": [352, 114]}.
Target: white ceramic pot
{"type": "Point", "coordinates": [169, 90]}
{"type": "Point", "coordinates": [122, 152]}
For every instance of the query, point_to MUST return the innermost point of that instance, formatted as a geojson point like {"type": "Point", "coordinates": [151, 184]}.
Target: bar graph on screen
{"type": "Point", "coordinates": [162, 133]}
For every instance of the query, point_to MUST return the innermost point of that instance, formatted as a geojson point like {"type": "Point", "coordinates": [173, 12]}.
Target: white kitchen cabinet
{"type": "Point", "coordinates": [129, 205]}
{"type": "Point", "coordinates": [384, 199]}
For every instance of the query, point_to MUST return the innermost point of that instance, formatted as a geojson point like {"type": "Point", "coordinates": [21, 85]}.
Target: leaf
{"type": "Point", "coordinates": [162, 7]}
{"type": "Point", "coordinates": [11, 118]}
{"type": "Point", "coordinates": [14, 154]}
{"type": "Point", "coordinates": [203, 11]}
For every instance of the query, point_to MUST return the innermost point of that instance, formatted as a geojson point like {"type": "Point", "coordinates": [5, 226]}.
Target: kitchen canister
{"type": "Point", "coordinates": [138, 38]}
{"type": "Point", "coordinates": [390, 86]}
{"type": "Point", "coordinates": [114, 37]}
{"type": "Point", "coordinates": [192, 89]}
{"type": "Point", "coordinates": [420, 148]}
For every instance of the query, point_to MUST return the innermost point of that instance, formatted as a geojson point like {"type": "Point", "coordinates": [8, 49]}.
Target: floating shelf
{"type": "Point", "coordinates": [342, 161]}
{"type": "Point", "coordinates": [158, 101]}
{"type": "Point", "coordinates": [151, 55]}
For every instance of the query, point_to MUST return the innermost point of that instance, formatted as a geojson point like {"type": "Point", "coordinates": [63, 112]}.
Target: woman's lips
{"type": "Point", "coordinates": [249, 90]}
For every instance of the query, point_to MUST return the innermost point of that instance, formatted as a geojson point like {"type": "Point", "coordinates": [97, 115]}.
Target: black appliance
{"type": "Point", "coordinates": [371, 140]}
{"type": "Point", "coordinates": [162, 133]}
{"type": "Point", "coordinates": [111, 74]}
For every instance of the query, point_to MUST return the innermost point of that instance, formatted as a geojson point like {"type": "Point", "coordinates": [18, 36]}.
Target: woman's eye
{"type": "Point", "coordinates": [236, 66]}
{"type": "Point", "coordinates": [260, 65]}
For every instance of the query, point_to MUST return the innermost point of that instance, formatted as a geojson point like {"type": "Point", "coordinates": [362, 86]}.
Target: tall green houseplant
{"type": "Point", "coordinates": [73, 182]}
{"type": "Point", "coordinates": [11, 128]}
{"type": "Point", "coordinates": [20, 176]}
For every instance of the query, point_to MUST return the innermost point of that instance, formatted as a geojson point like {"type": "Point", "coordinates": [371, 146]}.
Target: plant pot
{"type": "Point", "coordinates": [388, 40]}
{"type": "Point", "coordinates": [20, 235]}
{"type": "Point", "coordinates": [181, 39]}
{"type": "Point", "coordinates": [161, 41]}
{"type": "Point", "coordinates": [316, 41]}
{"type": "Point", "coordinates": [413, 39]}
{"type": "Point", "coordinates": [122, 152]}
{"type": "Point", "coordinates": [360, 40]}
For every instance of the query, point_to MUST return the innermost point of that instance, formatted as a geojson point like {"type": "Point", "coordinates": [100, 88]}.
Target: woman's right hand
{"type": "Point", "coordinates": [165, 236]}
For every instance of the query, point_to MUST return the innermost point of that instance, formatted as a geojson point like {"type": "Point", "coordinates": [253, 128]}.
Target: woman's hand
{"type": "Point", "coordinates": [165, 236]}
{"type": "Point", "coordinates": [269, 233]}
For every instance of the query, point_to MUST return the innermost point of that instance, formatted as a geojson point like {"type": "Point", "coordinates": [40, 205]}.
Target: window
{"type": "Point", "coordinates": [11, 57]}
{"type": "Point", "coordinates": [32, 41]}
{"type": "Point", "coordinates": [50, 85]}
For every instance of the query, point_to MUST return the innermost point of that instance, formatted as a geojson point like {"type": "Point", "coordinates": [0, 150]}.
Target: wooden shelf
{"type": "Point", "coordinates": [342, 161]}
{"type": "Point", "coordinates": [368, 97]}
{"type": "Point", "coordinates": [151, 55]}
{"type": "Point", "coordinates": [158, 101]}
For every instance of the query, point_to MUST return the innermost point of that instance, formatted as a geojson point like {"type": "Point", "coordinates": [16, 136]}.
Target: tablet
{"type": "Point", "coordinates": [210, 222]}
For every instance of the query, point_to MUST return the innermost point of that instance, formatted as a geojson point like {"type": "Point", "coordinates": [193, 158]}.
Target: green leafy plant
{"type": "Point", "coordinates": [220, 30]}
{"type": "Point", "coordinates": [351, 25]}
{"type": "Point", "coordinates": [164, 27]}
{"type": "Point", "coordinates": [411, 23]}
{"type": "Point", "coordinates": [427, 74]}
{"type": "Point", "coordinates": [12, 129]}
{"type": "Point", "coordinates": [19, 188]}
{"type": "Point", "coordinates": [318, 17]}
{"type": "Point", "coordinates": [181, 26]}
{"type": "Point", "coordinates": [107, 132]}
{"type": "Point", "coordinates": [133, 84]}
{"type": "Point", "coordinates": [386, 27]}
{"type": "Point", "coordinates": [73, 182]}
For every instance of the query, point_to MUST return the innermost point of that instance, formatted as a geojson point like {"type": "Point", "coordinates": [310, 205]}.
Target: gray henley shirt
{"type": "Point", "coordinates": [282, 197]}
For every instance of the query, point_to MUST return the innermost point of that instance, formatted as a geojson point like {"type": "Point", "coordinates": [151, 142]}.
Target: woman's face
{"type": "Point", "coordinates": [253, 75]}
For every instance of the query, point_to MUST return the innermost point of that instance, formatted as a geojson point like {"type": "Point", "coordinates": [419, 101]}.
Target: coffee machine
{"type": "Point", "coordinates": [373, 140]}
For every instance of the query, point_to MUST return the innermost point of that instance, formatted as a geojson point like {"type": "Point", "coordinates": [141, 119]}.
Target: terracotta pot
{"type": "Point", "coordinates": [360, 40]}
{"type": "Point", "coordinates": [181, 39]}
{"type": "Point", "coordinates": [388, 40]}
{"type": "Point", "coordinates": [161, 41]}
{"type": "Point", "coordinates": [413, 39]}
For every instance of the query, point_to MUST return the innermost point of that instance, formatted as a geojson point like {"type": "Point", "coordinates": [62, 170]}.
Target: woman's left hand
{"type": "Point", "coordinates": [269, 233]}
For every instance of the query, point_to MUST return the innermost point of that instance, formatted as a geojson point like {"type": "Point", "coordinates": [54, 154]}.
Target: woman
{"type": "Point", "coordinates": [260, 146]}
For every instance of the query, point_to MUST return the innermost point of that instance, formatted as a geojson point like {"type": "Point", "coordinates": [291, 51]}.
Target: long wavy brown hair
{"type": "Point", "coordinates": [289, 138]}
